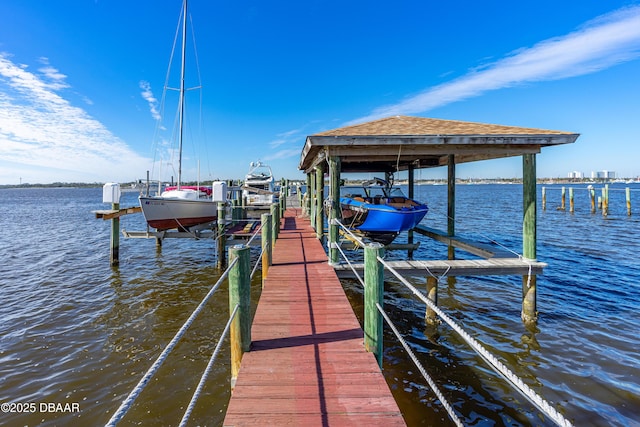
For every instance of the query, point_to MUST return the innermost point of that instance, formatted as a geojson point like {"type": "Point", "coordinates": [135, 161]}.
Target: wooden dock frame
{"type": "Point", "coordinates": [408, 143]}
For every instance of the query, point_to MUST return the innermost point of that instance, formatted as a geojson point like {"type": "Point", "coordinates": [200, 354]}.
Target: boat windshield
{"type": "Point", "coordinates": [370, 191]}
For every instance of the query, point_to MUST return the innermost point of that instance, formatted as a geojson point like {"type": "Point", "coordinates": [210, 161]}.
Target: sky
{"type": "Point", "coordinates": [83, 99]}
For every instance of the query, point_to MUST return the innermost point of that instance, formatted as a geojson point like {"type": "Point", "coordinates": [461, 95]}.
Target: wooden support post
{"type": "Point", "coordinates": [411, 194]}
{"type": "Point", "coordinates": [592, 196]}
{"type": "Point", "coordinates": [334, 212]}
{"type": "Point", "coordinates": [222, 238]}
{"type": "Point", "coordinates": [430, 317]}
{"type": "Point", "coordinates": [451, 196]}
{"type": "Point", "coordinates": [627, 194]}
{"type": "Point", "coordinates": [529, 227]}
{"type": "Point", "coordinates": [319, 199]}
{"type": "Point", "coordinates": [544, 198]}
{"type": "Point", "coordinates": [373, 293]}
{"type": "Point", "coordinates": [571, 204]}
{"type": "Point", "coordinates": [275, 218]}
{"type": "Point", "coordinates": [114, 257]}
{"type": "Point", "coordinates": [267, 252]}
{"type": "Point", "coordinates": [605, 200]}
{"type": "Point", "coordinates": [308, 195]}
{"type": "Point", "coordinates": [312, 200]}
{"type": "Point", "coordinates": [240, 295]}
{"type": "Point", "coordinates": [563, 198]}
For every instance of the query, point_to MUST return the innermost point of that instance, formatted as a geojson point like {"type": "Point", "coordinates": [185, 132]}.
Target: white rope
{"type": "Point", "coordinates": [424, 373]}
{"type": "Point", "coordinates": [351, 265]}
{"type": "Point", "coordinates": [255, 234]}
{"type": "Point", "coordinates": [498, 366]}
{"type": "Point", "coordinates": [258, 262]}
{"type": "Point", "coordinates": [207, 371]}
{"type": "Point", "coordinates": [128, 402]}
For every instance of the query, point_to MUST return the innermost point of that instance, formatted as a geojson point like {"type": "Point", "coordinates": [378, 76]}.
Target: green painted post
{"type": "Point", "coordinates": [373, 293]}
{"type": "Point", "coordinates": [319, 200]}
{"type": "Point", "coordinates": [222, 239]}
{"type": "Point", "coordinates": [334, 213]}
{"type": "Point", "coordinates": [267, 253]}
{"type": "Point", "coordinates": [571, 201]}
{"type": "Point", "coordinates": [451, 195]}
{"type": "Point", "coordinates": [114, 258]}
{"type": "Point", "coordinates": [308, 195]}
{"type": "Point", "coordinates": [275, 223]}
{"type": "Point", "coordinates": [529, 305]}
{"type": "Point", "coordinates": [411, 194]}
{"type": "Point", "coordinates": [240, 295]}
{"type": "Point", "coordinates": [312, 200]}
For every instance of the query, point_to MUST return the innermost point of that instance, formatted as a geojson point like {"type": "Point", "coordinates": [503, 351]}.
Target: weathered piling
{"type": "Point", "coordinates": [529, 236]}
{"type": "Point", "coordinates": [275, 223]}
{"type": "Point", "coordinates": [373, 294]}
{"type": "Point", "coordinates": [563, 205]}
{"type": "Point", "coordinates": [431, 318]}
{"type": "Point", "coordinates": [240, 295]}
{"type": "Point", "coordinates": [592, 196]}
{"type": "Point", "coordinates": [605, 200]}
{"type": "Point", "coordinates": [222, 241]}
{"type": "Point", "coordinates": [111, 194]}
{"type": "Point", "coordinates": [544, 198]}
{"type": "Point", "coordinates": [267, 257]}
{"type": "Point", "coordinates": [627, 194]}
{"type": "Point", "coordinates": [571, 201]}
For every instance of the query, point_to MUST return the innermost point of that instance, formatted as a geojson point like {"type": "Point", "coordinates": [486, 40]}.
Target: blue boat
{"type": "Point", "coordinates": [379, 211]}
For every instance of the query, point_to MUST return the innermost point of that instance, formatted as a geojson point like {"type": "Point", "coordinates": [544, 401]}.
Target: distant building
{"type": "Point", "coordinates": [605, 174]}
{"type": "Point", "coordinates": [576, 174]}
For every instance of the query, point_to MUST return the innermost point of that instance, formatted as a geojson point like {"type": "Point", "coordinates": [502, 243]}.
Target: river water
{"type": "Point", "coordinates": [76, 335]}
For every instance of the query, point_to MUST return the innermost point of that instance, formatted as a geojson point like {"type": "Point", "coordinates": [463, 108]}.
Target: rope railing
{"type": "Point", "coordinates": [128, 402]}
{"type": "Point", "coordinates": [492, 360]}
{"type": "Point", "coordinates": [207, 371]}
{"type": "Point", "coordinates": [447, 406]}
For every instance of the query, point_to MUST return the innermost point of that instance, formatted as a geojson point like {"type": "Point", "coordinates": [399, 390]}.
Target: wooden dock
{"type": "Point", "coordinates": [307, 365]}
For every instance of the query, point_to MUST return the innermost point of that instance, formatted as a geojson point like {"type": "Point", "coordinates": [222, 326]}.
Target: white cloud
{"type": "Point", "coordinates": [602, 43]}
{"type": "Point", "coordinates": [283, 154]}
{"type": "Point", "coordinates": [40, 130]}
{"type": "Point", "coordinates": [147, 94]}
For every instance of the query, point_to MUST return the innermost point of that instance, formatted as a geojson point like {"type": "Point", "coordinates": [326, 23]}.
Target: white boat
{"type": "Point", "coordinates": [259, 185]}
{"type": "Point", "coordinates": [180, 207]}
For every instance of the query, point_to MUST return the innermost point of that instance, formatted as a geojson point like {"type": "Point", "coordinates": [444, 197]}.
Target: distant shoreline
{"type": "Point", "coordinates": [461, 181]}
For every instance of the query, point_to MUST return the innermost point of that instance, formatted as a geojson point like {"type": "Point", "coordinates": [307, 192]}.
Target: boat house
{"type": "Point", "coordinates": [402, 143]}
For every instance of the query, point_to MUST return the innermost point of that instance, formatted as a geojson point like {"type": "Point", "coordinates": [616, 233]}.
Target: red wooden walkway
{"type": "Point", "coordinates": [307, 365]}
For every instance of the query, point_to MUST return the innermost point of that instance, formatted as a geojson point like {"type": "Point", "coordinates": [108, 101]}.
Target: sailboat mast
{"type": "Point", "coordinates": [184, 50]}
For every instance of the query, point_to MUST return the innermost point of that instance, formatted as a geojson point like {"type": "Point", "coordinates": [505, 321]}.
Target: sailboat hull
{"type": "Point", "coordinates": [166, 214]}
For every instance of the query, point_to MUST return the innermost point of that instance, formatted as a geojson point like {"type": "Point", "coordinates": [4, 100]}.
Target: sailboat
{"type": "Point", "coordinates": [181, 206]}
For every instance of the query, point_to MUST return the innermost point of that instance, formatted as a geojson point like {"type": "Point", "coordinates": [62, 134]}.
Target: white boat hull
{"type": "Point", "coordinates": [164, 213]}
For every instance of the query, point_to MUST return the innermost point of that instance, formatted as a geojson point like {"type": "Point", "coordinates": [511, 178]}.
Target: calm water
{"type": "Point", "coordinates": [74, 330]}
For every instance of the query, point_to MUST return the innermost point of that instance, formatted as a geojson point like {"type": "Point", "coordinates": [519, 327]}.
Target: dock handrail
{"type": "Point", "coordinates": [236, 264]}
{"type": "Point", "coordinates": [491, 360]}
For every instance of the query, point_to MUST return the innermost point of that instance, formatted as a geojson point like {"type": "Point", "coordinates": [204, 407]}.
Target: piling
{"type": "Point", "coordinates": [592, 196]}
{"type": "Point", "coordinates": [334, 212]}
{"type": "Point", "coordinates": [563, 200]}
{"type": "Point", "coordinates": [544, 198]}
{"type": "Point", "coordinates": [627, 193]}
{"type": "Point", "coordinates": [529, 238]}
{"type": "Point", "coordinates": [114, 258]}
{"type": "Point", "coordinates": [373, 294]}
{"type": "Point", "coordinates": [222, 240]}
{"type": "Point", "coordinates": [275, 223]}
{"type": "Point", "coordinates": [605, 200]}
{"type": "Point", "coordinates": [571, 204]}
{"type": "Point", "coordinates": [267, 257]}
{"type": "Point", "coordinates": [319, 198]}
{"type": "Point", "coordinates": [240, 295]}
{"type": "Point", "coordinates": [431, 318]}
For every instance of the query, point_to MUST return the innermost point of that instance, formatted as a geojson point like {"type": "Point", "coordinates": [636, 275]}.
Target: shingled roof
{"type": "Point", "coordinates": [393, 143]}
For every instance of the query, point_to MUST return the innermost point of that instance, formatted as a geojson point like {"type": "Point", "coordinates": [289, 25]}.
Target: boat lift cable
{"type": "Point", "coordinates": [350, 265]}
{"type": "Point", "coordinates": [492, 360]}
{"type": "Point", "coordinates": [447, 406]}
{"type": "Point", "coordinates": [207, 371]}
{"type": "Point", "coordinates": [128, 402]}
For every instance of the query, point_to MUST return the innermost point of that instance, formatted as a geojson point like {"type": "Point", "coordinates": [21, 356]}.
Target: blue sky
{"type": "Point", "coordinates": [81, 82]}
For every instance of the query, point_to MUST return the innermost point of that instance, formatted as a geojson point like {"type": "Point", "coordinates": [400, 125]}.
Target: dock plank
{"type": "Point", "coordinates": [307, 364]}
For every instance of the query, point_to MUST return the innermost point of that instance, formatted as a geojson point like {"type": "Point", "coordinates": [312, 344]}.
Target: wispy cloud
{"type": "Point", "coordinates": [599, 44]}
{"type": "Point", "coordinates": [40, 130]}
{"type": "Point", "coordinates": [283, 154]}
{"type": "Point", "coordinates": [147, 94]}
